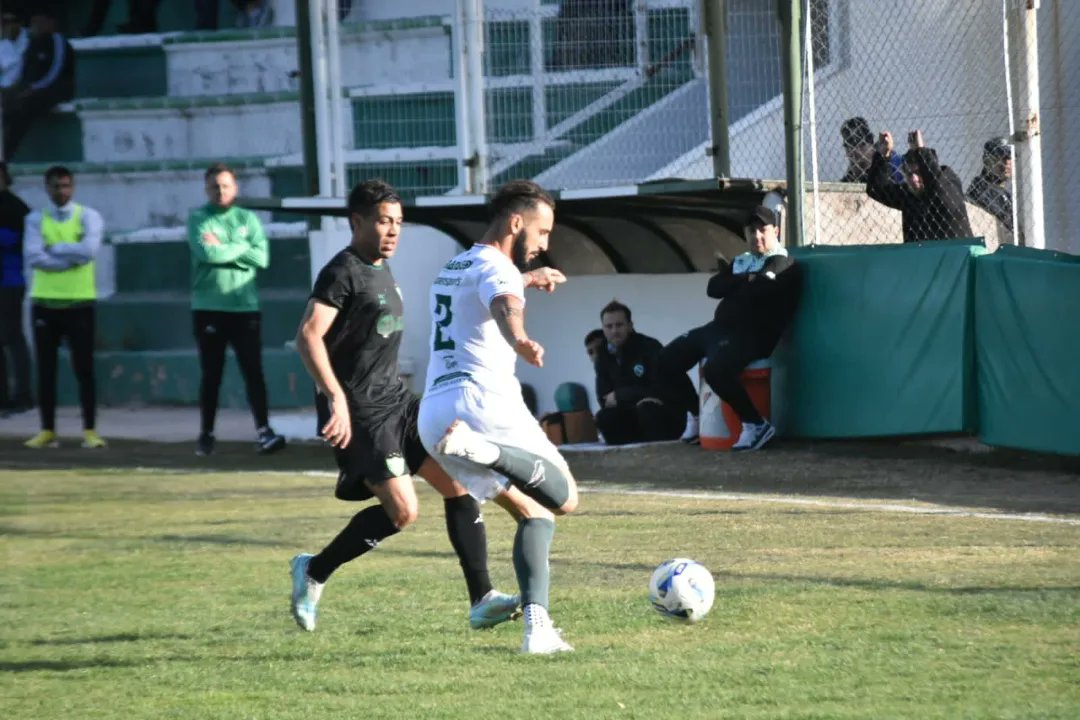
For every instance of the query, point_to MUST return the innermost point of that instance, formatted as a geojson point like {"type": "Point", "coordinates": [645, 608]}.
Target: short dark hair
{"type": "Point", "coordinates": [367, 196]}
{"type": "Point", "coordinates": [518, 196]}
{"type": "Point", "coordinates": [616, 306]}
{"type": "Point", "coordinates": [216, 169]}
{"type": "Point", "coordinates": [855, 131]}
{"type": "Point", "coordinates": [593, 335]}
{"type": "Point", "coordinates": [57, 171]}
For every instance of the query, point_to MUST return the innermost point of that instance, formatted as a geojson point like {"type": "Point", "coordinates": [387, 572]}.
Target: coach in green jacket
{"type": "Point", "coordinates": [228, 247]}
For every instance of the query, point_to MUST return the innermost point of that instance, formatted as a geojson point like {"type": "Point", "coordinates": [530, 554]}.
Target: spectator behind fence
{"type": "Point", "coordinates": [142, 17]}
{"type": "Point", "coordinates": [758, 294]}
{"type": "Point", "coordinates": [60, 244]}
{"type": "Point", "coordinates": [931, 200]}
{"type": "Point", "coordinates": [13, 212]}
{"type": "Point", "coordinates": [990, 189]}
{"type": "Point", "coordinates": [13, 41]}
{"type": "Point", "coordinates": [859, 148]}
{"type": "Point", "coordinates": [47, 79]}
{"type": "Point", "coordinates": [228, 247]}
{"type": "Point", "coordinates": [628, 387]}
{"type": "Point", "coordinates": [594, 345]}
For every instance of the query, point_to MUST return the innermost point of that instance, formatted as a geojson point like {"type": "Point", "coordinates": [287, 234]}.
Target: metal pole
{"type": "Point", "coordinates": [811, 100]}
{"type": "Point", "coordinates": [339, 173]}
{"type": "Point", "coordinates": [1029, 138]}
{"type": "Point", "coordinates": [322, 110]}
{"type": "Point", "coordinates": [714, 14]}
{"type": "Point", "coordinates": [307, 97]}
{"type": "Point", "coordinates": [791, 22]}
{"type": "Point", "coordinates": [1011, 109]}
{"type": "Point", "coordinates": [461, 100]}
{"type": "Point", "coordinates": [474, 73]}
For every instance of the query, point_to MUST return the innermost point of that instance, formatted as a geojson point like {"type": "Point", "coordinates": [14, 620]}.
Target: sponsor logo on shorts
{"type": "Point", "coordinates": [538, 474]}
{"type": "Point", "coordinates": [395, 464]}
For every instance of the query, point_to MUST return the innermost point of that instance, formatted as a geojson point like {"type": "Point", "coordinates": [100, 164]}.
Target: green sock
{"type": "Point", "coordinates": [532, 544]}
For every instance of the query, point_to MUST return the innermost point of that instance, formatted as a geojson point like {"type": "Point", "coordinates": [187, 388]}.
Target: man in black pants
{"type": "Point", "coordinates": [349, 339]}
{"type": "Point", "coordinates": [632, 408]}
{"type": "Point", "coordinates": [13, 212]}
{"type": "Point", "coordinates": [48, 79]}
{"type": "Point", "coordinates": [758, 294]}
{"type": "Point", "coordinates": [60, 244]}
{"type": "Point", "coordinates": [228, 247]}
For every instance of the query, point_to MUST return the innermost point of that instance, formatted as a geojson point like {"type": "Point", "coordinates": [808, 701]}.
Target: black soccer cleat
{"type": "Point", "coordinates": [269, 441]}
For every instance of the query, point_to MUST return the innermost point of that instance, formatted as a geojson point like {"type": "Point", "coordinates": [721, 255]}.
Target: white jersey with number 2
{"type": "Point", "coordinates": [466, 345]}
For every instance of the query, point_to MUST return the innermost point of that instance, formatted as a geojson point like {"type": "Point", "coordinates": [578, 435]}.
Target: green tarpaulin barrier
{"type": "Point", "coordinates": [882, 343]}
{"type": "Point", "coordinates": [1027, 339]}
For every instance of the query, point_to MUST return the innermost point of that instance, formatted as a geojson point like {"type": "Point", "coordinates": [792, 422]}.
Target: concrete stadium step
{"type": "Point", "coordinates": [171, 377]}
{"type": "Point", "coordinates": [162, 320]}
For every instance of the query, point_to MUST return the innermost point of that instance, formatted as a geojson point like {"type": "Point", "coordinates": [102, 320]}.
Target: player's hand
{"type": "Point", "coordinates": [609, 399]}
{"type": "Point", "coordinates": [530, 351]}
{"type": "Point", "coordinates": [209, 238]}
{"type": "Point", "coordinates": [885, 144]}
{"type": "Point", "coordinates": [545, 278]}
{"type": "Point", "coordinates": [338, 430]}
{"type": "Point", "coordinates": [915, 139]}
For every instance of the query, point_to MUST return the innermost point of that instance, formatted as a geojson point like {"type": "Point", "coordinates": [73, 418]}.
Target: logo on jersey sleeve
{"type": "Point", "coordinates": [639, 370]}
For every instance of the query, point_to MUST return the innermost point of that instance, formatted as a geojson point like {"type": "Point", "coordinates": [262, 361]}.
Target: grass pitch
{"type": "Point", "coordinates": [141, 593]}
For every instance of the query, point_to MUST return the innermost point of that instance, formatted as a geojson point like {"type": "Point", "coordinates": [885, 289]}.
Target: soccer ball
{"type": "Point", "coordinates": [682, 589]}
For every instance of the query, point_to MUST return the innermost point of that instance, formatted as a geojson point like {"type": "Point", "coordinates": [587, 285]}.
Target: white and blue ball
{"type": "Point", "coordinates": [682, 589]}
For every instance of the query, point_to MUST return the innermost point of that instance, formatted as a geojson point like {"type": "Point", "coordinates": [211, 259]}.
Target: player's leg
{"type": "Point", "coordinates": [618, 425]}
{"type": "Point", "coordinates": [246, 339]}
{"type": "Point", "coordinates": [723, 366]}
{"type": "Point", "coordinates": [47, 337]}
{"type": "Point", "coordinates": [81, 342]}
{"type": "Point", "coordinates": [532, 550]}
{"type": "Point", "coordinates": [210, 339]}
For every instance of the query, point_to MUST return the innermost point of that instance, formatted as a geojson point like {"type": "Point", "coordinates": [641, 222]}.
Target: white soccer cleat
{"type": "Point", "coordinates": [545, 640]}
{"type": "Point", "coordinates": [305, 592]}
{"type": "Point", "coordinates": [493, 609]}
{"type": "Point", "coordinates": [460, 441]}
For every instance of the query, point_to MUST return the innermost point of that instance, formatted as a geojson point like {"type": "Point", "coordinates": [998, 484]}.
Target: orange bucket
{"type": "Point", "coordinates": [719, 425]}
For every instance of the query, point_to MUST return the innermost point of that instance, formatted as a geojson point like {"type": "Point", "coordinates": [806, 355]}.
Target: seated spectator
{"type": "Point", "coordinates": [254, 13]}
{"type": "Point", "coordinates": [47, 79]}
{"type": "Point", "coordinates": [931, 200]}
{"type": "Point", "coordinates": [13, 42]}
{"type": "Point", "coordinates": [990, 189]}
{"type": "Point", "coordinates": [758, 294]}
{"type": "Point", "coordinates": [594, 344]}
{"type": "Point", "coordinates": [633, 407]}
{"type": "Point", "coordinates": [142, 17]}
{"type": "Point", "coordinates": [859, 148]}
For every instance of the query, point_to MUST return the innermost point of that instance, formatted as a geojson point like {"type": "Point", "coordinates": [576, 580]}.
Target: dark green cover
{"type": "Point", "coordinates": [882, 343]}
{"type": "Point", "coordinates": [1027, 340]}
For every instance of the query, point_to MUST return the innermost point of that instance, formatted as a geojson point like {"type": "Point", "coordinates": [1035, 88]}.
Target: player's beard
{"type": "Point", "coordinates": [519, 254]}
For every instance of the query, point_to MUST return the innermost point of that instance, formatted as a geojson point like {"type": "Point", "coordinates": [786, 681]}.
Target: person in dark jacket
{"type": "Point", "coordinates": [931, 200]}
{"type": "Point", "coordinates": [632, 406]}
{"type": "Point", "coordinates": [13, 212]}
{"type": "Point", "coordinates": [758, 294]}
{"type": "Point", "coordinates": [48, 79]}
{"type": "Point", "coordinates": [990, 189]}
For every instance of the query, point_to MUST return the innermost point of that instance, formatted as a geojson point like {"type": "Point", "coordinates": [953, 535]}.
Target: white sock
{"type": "Point", "coordinates": [536, 616]}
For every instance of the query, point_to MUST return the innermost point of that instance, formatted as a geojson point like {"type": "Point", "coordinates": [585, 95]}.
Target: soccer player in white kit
{"type": "Point", "coordinates": [473, 420]}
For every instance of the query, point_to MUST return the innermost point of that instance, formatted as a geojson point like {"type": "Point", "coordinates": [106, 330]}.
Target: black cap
{"type": "Point", "coordinates": [996, 148]}
{"type": "Point", "coordinates": [762, 215]}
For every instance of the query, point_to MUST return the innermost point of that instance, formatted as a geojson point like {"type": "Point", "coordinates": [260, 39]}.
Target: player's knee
{"type": "Point", "coordinates": [404, 515]}
{"type": "Point", "coordinates": [571, 500]}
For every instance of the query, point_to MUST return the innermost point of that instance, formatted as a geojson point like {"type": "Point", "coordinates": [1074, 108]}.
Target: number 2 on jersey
{"type": "Point", "coordinates": [443, 316]}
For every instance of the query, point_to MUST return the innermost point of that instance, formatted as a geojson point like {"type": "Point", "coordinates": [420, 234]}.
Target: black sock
{"type": "Point", "coordinates": [465, 526]}
{"type": "Point", "coordinates": [533, 475]}
{"type": "Point", "coordinates": [364, 532]}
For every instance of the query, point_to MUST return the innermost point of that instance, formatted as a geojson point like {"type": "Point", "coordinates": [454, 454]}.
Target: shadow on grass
{"type": "Point", "coordinates": [16, 666]}
{"type": "Point", "coordinates": [106, 639]}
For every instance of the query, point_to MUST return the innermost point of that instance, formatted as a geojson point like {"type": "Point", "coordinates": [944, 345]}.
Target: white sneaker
{"type": "Point", "coordinates": [461, 441]}
{"type": "Point", "coordinates": [305, 592]}
{"type": "Point", "coordinates": [692, 434]}
{"type": "Point", "coordinates": [494, 608]}
{"type": "Point", "coordinates": [754, 436]}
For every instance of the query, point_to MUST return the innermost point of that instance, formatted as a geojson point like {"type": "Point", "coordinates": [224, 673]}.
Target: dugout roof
{"type": "Point", "coordinates": [675, 226]}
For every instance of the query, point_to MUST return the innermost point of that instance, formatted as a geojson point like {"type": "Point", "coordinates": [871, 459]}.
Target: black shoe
{"type": "Point", "coordinates": [269, 441]}
{"type": "Point", "coordinates": [205, 444]}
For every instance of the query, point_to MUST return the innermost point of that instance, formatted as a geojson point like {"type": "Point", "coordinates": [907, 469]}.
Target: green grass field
{"type": "Point", "coordinates": [140, 593]}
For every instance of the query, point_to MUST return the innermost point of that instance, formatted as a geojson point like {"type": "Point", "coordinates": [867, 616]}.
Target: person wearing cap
{"type": "Point", "coordinates": [990, 189]}
{"type": "Point", "coordinates": [46, 80]}
{"type": "Point", "coordinates": [859, 148]}
{"type": "Point", "coordinates": [13, 212]}
{"type": "Point", "coordinates": [758, 293]}
{"type": "Point", "coordinates": [62, 240]}
{"type": "Point", "coordinates": [931, 200]}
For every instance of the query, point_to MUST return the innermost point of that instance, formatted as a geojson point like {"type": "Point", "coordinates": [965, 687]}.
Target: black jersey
{"type": "Point", "coordinates": [364, 339]}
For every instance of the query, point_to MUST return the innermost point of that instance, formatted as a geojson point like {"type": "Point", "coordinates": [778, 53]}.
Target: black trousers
{"type": "Point", "coordinates": [641, 422]}
{"type": "Point", "coordinates": [51, 327]}
{"type": "Point", "coordinates": [13, 344]}
{"type": "Point", "coordinates": [214, 331]}
{"type": "Point", "coordinates": [20, 114]}
{"type": "Point", "coordinates": [726, 354]}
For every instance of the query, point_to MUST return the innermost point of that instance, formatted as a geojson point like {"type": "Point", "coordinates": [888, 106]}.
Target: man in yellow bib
{"type": "Point", "coordinates": [60, 243]}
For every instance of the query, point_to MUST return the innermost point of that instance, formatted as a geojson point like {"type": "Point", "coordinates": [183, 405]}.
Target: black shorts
{"type": "Point", "coordinates": [376, 453]}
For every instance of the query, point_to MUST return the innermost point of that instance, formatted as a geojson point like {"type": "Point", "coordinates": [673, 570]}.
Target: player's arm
{"type": "Point", "coordinates": [34, 250]}
{"type": "Point", "coordinates": [318, 317]}
{"type": "Point", "coordinates": [879, 184]}
{"type": "Point", "coordinates": [257, 254]}
{"type": "Point", "coordinates": [509, 314]}
{"type": "Point", "coordinates": [209, 249]}
{"type": "Point", "coordinates": [545, 278]}
{"type": "Point", "coordinates": [83, 251]}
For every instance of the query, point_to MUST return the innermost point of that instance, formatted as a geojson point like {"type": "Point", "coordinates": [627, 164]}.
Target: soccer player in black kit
{"type": "Point", "coordinates": [349, 339]}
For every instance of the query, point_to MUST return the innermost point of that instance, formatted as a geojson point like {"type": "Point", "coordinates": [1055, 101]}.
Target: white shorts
{"type": "Point", "coordinates": [498, 418]}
